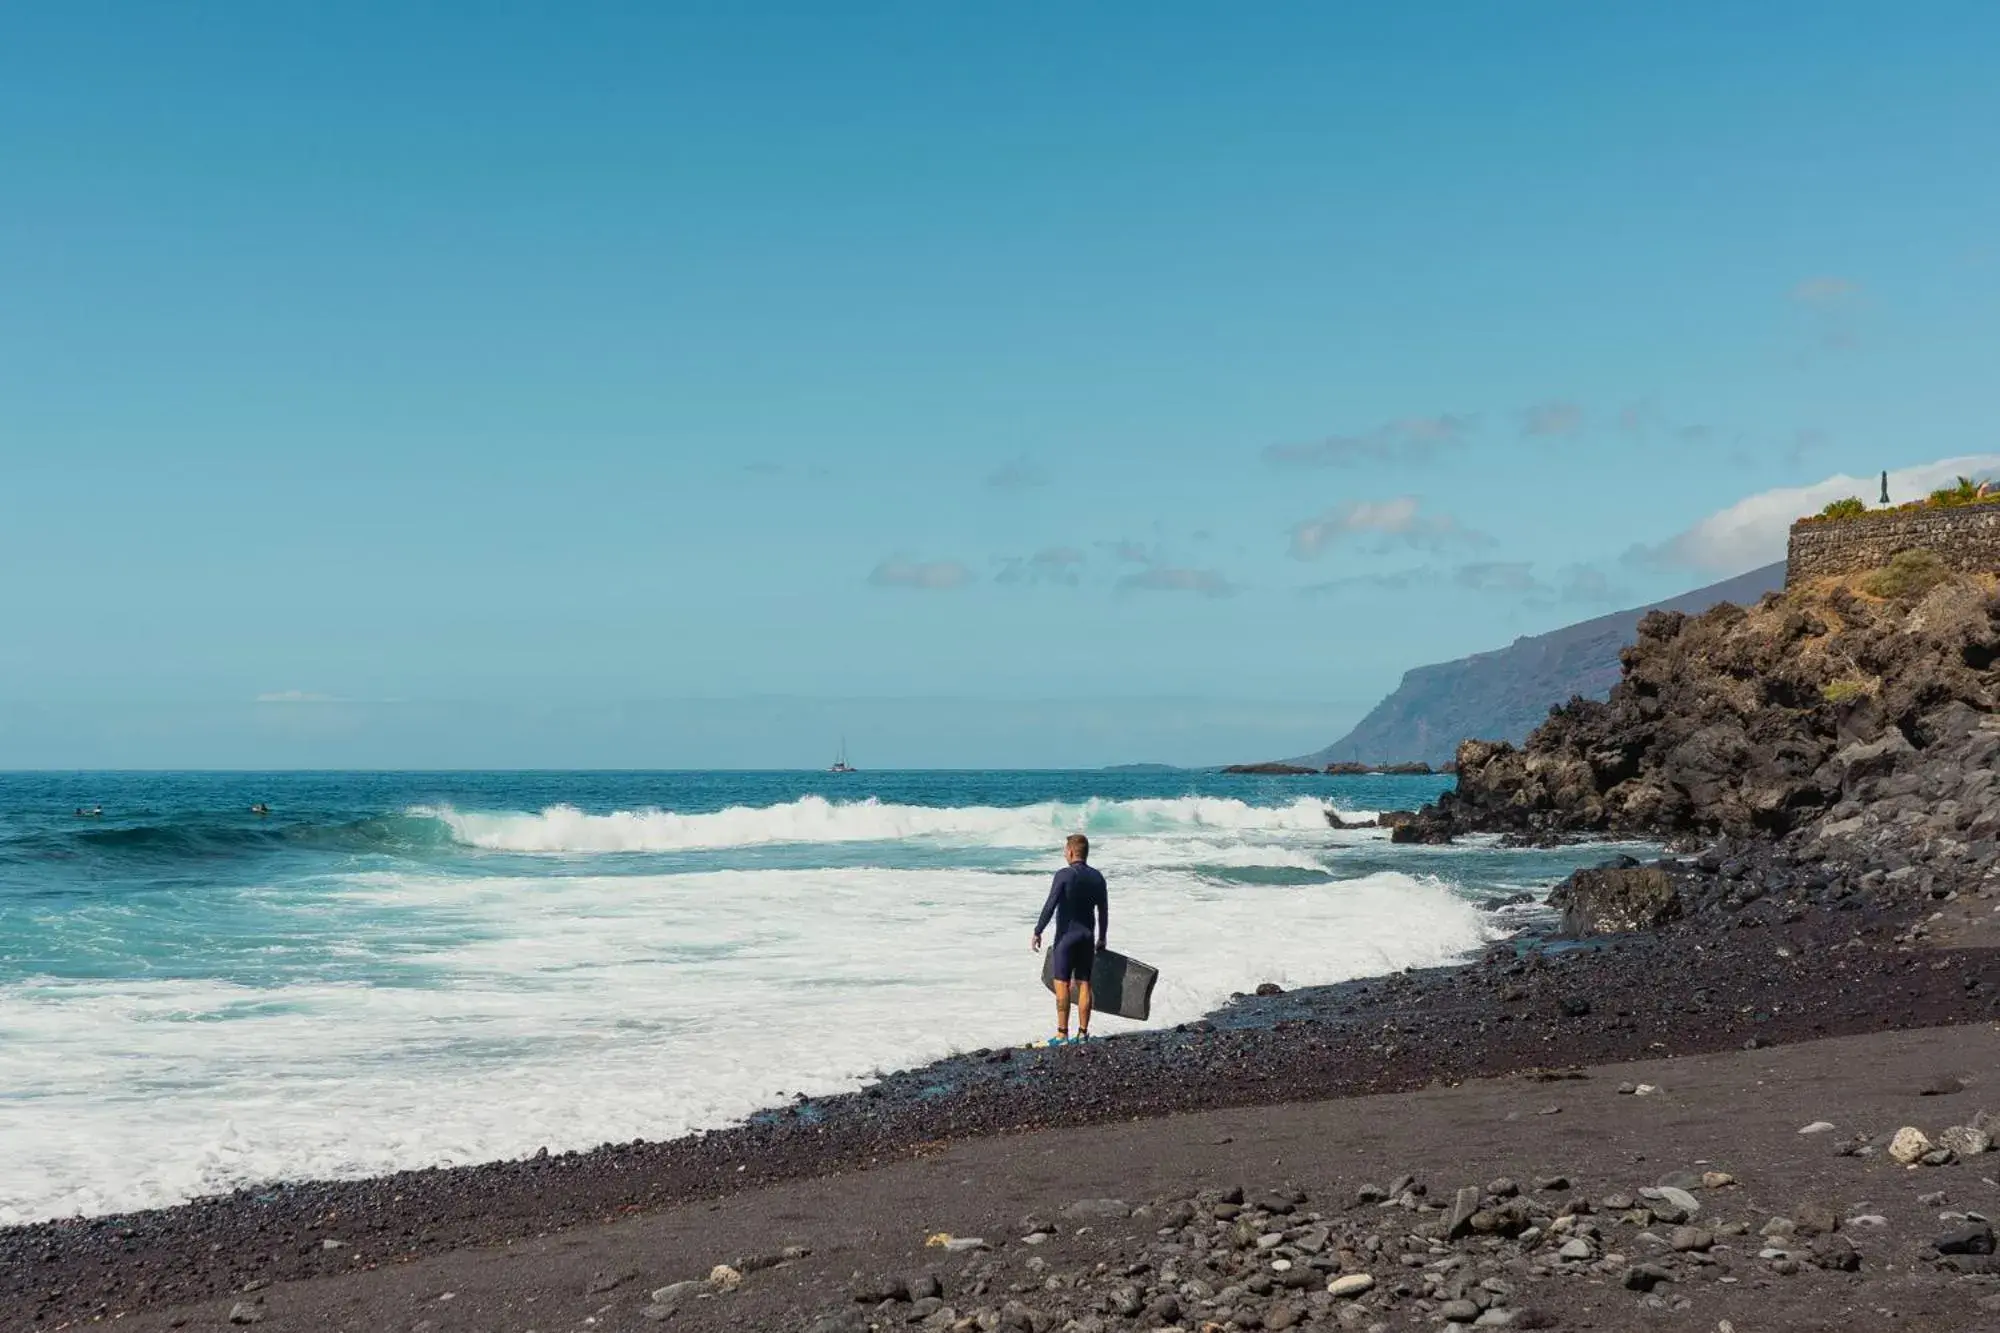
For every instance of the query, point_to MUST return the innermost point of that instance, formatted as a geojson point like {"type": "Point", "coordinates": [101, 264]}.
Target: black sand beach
{"type": "Point", "coordinates": [1738, 1113]}
{"type": "Point", "coordinates": [1775, 975]}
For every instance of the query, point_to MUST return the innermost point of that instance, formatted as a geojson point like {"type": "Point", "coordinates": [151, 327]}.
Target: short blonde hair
{"type": "Point", "coordinates": [1077, 843]}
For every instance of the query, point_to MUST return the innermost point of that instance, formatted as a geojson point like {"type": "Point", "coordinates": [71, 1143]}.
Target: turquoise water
{"type": "Point", "coordinates": [395, 970]}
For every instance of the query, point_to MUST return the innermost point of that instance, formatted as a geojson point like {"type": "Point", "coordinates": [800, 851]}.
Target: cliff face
{"type": "Point", "coordinates": [1847, 725]}
{"type": "Point", "coordinates": [1503, 694]}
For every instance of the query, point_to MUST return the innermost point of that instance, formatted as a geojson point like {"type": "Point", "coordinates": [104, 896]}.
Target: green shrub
{"type": "Point", "coordinates": [1961, 492]}
{"type": "Point", "coordinates": [1908, 574]}
{"type": "Point", "coordinates": [1851, 507]}
{"type": "Point", "coordinates": [1839, 691]}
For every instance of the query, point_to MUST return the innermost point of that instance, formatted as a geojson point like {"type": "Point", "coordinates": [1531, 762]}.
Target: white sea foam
{"type": "Point", "coordinates": [814, 819]}
{"type": "Point", "coordinates": [567, 1011]}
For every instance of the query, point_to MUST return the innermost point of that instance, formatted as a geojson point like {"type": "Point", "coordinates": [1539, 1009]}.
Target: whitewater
{"type": "Point", "coordinates": [401, 971]}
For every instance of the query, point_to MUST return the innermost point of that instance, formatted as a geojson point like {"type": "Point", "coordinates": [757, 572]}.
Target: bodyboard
{"type": "Point", "coordinates": [1118, 985]}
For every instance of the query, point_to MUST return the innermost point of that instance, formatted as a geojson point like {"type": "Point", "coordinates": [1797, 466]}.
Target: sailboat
{"type": "Point", "coordinates": [841, 765]}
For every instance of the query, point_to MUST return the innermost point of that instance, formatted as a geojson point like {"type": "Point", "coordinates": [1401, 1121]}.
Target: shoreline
{"type": "Point", "coordinates": [1089, 1228]}
{"type": "Point", "coordinates": [1778, 972]}
{"type": "Point", "coordinates": [1228, 1012]}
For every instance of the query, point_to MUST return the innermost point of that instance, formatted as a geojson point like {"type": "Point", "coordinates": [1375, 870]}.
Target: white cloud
{"type": "Point", "coordinates": [933, 575]}
{"type": "Point", "coordinates": [1051, 564]}
{"type": "Point", "coordinates": [1128, 552]}
{"type": "Point", "coordinates": [1583, 584]}
{"type": "Point", "coordinates": [1018, 475]}
{"type": "Point", "coordinates": [1550, 420]}
{"type": "Point", "coordinates": [1498, 576]}
{"type": "Point", "coordinates": [1397, 521]}
{"type": "Point", "coordinates": [1825, 291]}
{"type": "Point", "coordinates": [1207, 582]}
{"type": "Point", "coordinates": [295, 697]}
{"type": "Point", "coordinates": [1639, 418]}
{"type": "Point", "coordinates": [1413, 439]}
{"type": "Point", "coordinates": [1752, 531]}
{"type": "Point", "coordinates": [1394, 580]}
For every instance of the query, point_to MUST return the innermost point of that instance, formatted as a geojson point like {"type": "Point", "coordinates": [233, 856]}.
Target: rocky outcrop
{"type": "Point", "coordinates": [1504, 694]}
{"type": "Point", "coordinates": [1858, 731]}
{"type": "Point", "coordinates": [1614, 898]}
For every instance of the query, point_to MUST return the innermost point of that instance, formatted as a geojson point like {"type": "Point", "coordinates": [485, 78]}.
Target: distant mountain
{"type": "Point", "coordinates": [1505, 694]}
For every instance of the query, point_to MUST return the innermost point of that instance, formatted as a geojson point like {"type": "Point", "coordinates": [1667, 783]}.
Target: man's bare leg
{"type": "Point", "coordinates": [1082, 1009]}
{"type": "Point", "coordinates": [1062, 1007]}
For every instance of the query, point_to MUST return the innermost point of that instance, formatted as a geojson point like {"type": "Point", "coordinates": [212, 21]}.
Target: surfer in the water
{"type": "Point", "coordinates": [1082, 914]}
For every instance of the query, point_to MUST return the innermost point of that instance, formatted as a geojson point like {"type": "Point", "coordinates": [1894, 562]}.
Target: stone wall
{"type": "Point", "coordinates": [1966, 538]}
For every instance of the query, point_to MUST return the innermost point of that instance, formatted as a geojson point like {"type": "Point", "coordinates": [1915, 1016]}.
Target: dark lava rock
{"type": "Point", "coordinates": [1972, 1238]}
{"type": "Point", "coordinates": [1988, 1264]}
{"type": "Point", "coordinates": [1463, 1207]}
{"type": "Point", "coordinates": [1692, 1239]}
{"type": "Point", "coordinates": [1820, 716]}
{"type": "Point", "coordinates": [1612, 900]}
{"type": "Point", "coordinates": [1835, 1252]}
{"type": "Point", "coordinates": [1644, 1277]}
{"type": "Point", "coordinates": [875, 1290]}
{"type": "Point", "coordinates": [846, 1321]}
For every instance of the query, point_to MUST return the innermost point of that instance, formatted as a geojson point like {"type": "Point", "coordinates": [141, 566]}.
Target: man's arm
{"type": "Point", "coordinates": [1103, 914]}
{"type": "Point", "coordinates": [1049, 907]}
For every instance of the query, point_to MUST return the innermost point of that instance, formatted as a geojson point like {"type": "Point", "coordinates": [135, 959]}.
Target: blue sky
{"type": "Point", "coordinates": [684, 385]}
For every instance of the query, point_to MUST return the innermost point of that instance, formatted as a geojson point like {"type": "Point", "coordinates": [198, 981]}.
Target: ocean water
{"type": "Point", "coordinates": [405, 970]}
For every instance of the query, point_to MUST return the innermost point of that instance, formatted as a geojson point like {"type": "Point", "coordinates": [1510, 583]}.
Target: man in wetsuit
{"type": "Point", "coordinates": [1082, 914]}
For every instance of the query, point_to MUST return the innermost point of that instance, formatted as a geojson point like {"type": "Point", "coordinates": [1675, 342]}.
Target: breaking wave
{"type": "Point", "coordinates": [814, 819]}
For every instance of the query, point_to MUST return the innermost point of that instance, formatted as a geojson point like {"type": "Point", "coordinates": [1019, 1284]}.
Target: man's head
{"type": "Point", "coordinates": [1076, 848]}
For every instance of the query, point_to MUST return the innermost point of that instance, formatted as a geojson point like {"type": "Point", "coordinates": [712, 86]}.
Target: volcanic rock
{"type": "Point", "coordinates": [1971, 1238]}
{"type": "Point", "coordinates": [1814, 716]}
{"type": "Point", "coordinates": [1909, 1145]}
{"type": "Point", "coordinates": [1612, 899]}
{"type": "Point", "coordinates": [1965, 1141]}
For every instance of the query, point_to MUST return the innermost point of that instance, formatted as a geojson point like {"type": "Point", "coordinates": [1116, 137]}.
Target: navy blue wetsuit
{"type": "Point", "coordinates": [1083, 913]}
